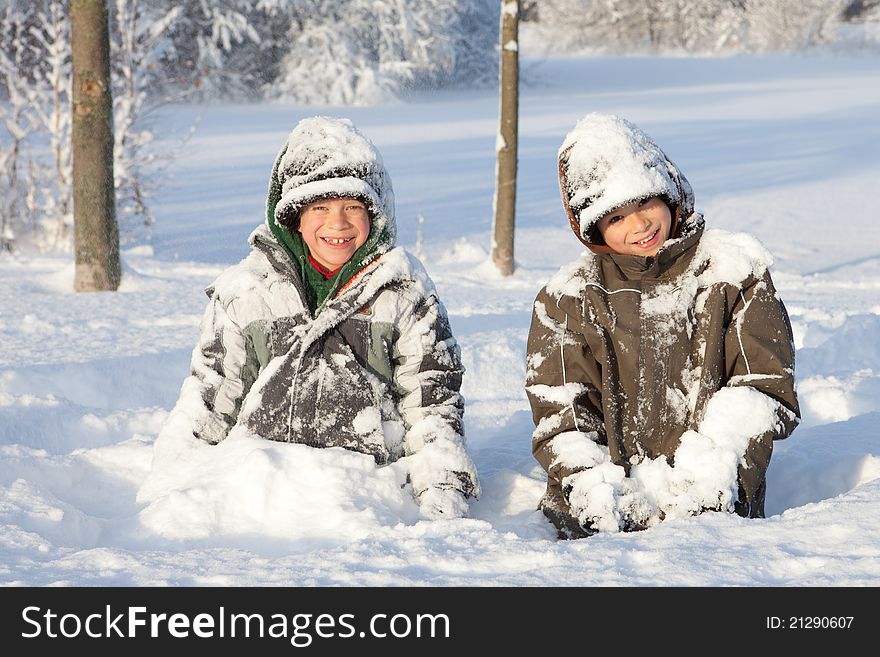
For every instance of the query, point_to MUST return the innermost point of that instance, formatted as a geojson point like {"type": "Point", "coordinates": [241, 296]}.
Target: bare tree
{"type": "Point", "coordinates": [94, 207]}
{"type": "Point", "coordinates": [504, 205]}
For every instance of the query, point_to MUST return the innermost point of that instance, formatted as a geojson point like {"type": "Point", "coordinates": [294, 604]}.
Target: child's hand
{"type": "Point", "coordinates": [603, 498]}
{"type": "Point", "coordinates": [439, 503]}
{"type": "Point", "coordinates": [704, 477]}
{"type": "Point", "coordinates": [591, 498]}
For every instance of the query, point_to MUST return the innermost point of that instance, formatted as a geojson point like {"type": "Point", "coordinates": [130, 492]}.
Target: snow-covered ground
{"type": "Point", "coordinates": [786, 148]}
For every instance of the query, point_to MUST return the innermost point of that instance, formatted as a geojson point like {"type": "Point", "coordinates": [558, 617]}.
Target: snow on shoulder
{"type": "Point", "coordinates": [732, 257]}
{"type": "Point", "coordinates": [572, 278]}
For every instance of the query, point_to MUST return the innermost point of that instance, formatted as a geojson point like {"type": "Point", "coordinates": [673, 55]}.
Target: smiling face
{"type": "Point", "coordinates": [638, 228]}
{"type": "Point", "coordinates": [333, 229]}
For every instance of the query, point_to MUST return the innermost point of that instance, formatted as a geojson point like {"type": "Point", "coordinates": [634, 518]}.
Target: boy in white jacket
{"type": "Point", "coordinates": [327, 334]}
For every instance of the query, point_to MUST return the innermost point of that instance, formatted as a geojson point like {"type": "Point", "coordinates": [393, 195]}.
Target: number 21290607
{"type": "Point", "coordinates": [809, 622]}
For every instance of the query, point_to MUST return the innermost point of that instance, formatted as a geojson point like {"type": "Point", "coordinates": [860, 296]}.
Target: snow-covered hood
{"type": "Point", "coordinates": [328, 157]}
{"type": "Point", "coordinates": [606, 162]}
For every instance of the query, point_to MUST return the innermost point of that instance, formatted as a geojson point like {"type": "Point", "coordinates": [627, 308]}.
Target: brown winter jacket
{"type": "Point", "coordinates": [650, 340]}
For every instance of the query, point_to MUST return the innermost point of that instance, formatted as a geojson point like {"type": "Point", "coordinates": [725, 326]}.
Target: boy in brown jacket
{"type": "Point", "coordinates": [660, 364]}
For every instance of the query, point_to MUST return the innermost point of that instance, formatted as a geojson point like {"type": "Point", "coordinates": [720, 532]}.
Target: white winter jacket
{"type": "Point", "coordinates": [374, 369]}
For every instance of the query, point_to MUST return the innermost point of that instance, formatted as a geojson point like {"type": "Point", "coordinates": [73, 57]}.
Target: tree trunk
{"type": "Point", "coordinates": [505, 169]}
{"type": "Point", "coordinates": [94, 207]}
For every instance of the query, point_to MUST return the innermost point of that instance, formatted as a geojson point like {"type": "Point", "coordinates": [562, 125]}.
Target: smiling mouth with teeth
{"type": "Point", "coordinates": [648, 238]}
{"type": "Point", "coordinates": [337, 240]}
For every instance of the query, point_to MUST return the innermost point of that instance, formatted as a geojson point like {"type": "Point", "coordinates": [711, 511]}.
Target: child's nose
{"type": "Point", "coordinates": [641, 220]}
{"type": "Point", "coordinates": [337, 217]}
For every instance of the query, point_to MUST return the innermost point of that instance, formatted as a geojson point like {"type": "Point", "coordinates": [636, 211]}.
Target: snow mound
{"type": "Point", "coordinates": [288, 493]}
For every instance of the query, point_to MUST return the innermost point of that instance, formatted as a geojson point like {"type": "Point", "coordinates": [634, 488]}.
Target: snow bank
{"type": "Point", "coordinates": [246, 488]}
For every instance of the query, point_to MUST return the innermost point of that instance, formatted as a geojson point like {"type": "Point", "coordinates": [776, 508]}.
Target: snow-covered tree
{"type": "Point", "coordinates": [365, 51]}
{"type": "Point", "coordinates": [214, 45]}
{"type": "Point", "coordinates": [16, 123]}
{"type": "Point", "coordinates": [35, 112]}
{"type": "Point", "coordinates": [474, 32]}
{"type": "Point", "coordinates": [578, 25]}
{"type": "Point", "coordinates": [137, 45]}
{"type": "Point", "coordinates": [35, 99]}
{"type": "Point", "coordinates": [792, 24]}
{"type": "Point", "coordinates": [860, 25]}
{"type": "Point", "coordinates": [49, 96]}
{"type": "Point", "coordinates": [617, 26]}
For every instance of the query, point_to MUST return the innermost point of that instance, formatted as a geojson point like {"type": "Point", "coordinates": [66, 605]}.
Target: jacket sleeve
{"type": "Point", "coordinates": [755, 406]}
{"type": "Point", "coordinates": [427, 373]}
{"type": "Point", "coordinates": [759, 356]}
{"type": "Point", "coordinates": [212, 395]}
{"type": "Point", "coordinates": [565, 401]}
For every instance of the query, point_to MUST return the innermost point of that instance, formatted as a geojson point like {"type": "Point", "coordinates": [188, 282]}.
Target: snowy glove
{"type": "Point", "coordinates": [605, 499]}
{"type": "Point", "coordinates": [439, 503]}
{"type": "Point", "coordinates": [706, 472]}
{"type": "Point", "coordinates": [440, 470]}
{"type": "Point", "coordinates": [704, 477]}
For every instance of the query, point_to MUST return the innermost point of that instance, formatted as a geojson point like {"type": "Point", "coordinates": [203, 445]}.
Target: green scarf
{"type": "Point", "coordinates": [318, 287]}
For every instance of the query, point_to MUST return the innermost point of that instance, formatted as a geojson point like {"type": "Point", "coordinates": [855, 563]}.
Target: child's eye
{"type": "Point", "coordinates": [355, 208]}
{"type": "Point", "coordinates": [614, 219]}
